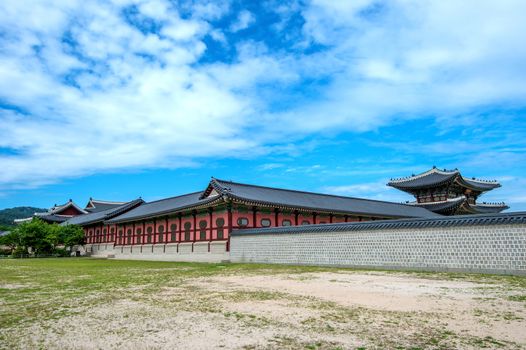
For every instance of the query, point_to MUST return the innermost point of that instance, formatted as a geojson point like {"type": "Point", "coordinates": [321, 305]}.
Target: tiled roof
{"type": "Point", "coordinates": [103, 215]}
{"type": "Point", "coordinates": [268, 196]}
{"type": "Point", "coordinates": [57, 209]}
{"type": "Point", "coordinates": [162, 207]}
{"type": "Point", "coordinates": [53, 217]}
{"type": "Point", "coordinates": [95, 205]}
{"type": "Point", "coordinates": [317, 201]}
{"type": "Point", "coordinates": [443, 221]}
{"type": "Point", "coordinates": [426, 179]}
{"type": "Point", "coordinates": [444, 207]}
{"type": "Point", "coordinates": [489, 208]}
{"type": "Point", "coordinates": [435, 177]}
{"type": "Point", "coordinates": [480, 185]}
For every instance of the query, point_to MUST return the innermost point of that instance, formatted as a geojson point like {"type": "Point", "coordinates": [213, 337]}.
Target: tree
{"type": "Point", "coordinates": [73, 235]}
{"type": "Point", "coordinates": [43, 238]}
{"type": "Point", "coordinates": [54, 236]}
{"type": "Point", "coordinates": [10, 240]}
{"type": "Point", "coordinates": [33, 235]}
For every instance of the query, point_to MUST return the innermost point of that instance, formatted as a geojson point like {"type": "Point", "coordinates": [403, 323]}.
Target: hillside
{"type": "Point", "coordinates": [8, 215]}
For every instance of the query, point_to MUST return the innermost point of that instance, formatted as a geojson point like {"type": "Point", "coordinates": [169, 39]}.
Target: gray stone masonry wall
{"type": "Point", "coordinates": [478, 248]}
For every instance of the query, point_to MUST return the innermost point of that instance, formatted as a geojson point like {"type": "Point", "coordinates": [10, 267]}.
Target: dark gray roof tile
{"type": "Point", "coordinates": [319, 201]}
{"type": "Point", "coordinates": [430, 178]}
{"type": "Point", "coordinates": [161, 207]}
{"type": "Point", "coordinates": [103, 215]}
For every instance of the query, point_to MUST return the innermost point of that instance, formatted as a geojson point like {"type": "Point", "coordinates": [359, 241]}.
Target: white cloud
{"type": "Point", "coordinates": [270, 166]}
{"type": "Point", "coordinates": [407, 59]}
{"type": "Point", "coordinates": [184, 29]}
{"type": "Point", "coordinates": [218, 35]}
{"type": "Point", "coordinates": [156, 9]}
{"type": "Point", "coordinates": [244, 20]}
{"type": "Point", "coordinates": [371, 190]}
{"type": "Point", "coordinates": [97, 93]}
{"type": "Point", "coordinates": [124, 110]}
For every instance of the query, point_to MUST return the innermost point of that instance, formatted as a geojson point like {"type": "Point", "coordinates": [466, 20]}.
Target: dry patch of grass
{"type": "Point", "coordinates": [94, 304]}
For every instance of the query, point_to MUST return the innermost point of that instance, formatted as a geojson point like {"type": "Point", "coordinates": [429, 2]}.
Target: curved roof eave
{"type": "Point", "coordinates": [478, 185]}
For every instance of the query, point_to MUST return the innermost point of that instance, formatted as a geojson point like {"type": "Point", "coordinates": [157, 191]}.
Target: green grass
{"type": "Point", "coordinates": [37, 290]}
{"type": "Point", "coordinates": [47, 288]}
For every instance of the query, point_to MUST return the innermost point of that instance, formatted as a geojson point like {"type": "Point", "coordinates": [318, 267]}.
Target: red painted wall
{"type": "Point", "coordinates": [69, 211]}
{"type": "Point", "coordinates": [160, 229]}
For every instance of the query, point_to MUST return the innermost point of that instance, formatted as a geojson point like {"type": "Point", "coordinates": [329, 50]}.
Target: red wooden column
{"type": "Point", "coordinates": [296, 214]}
{"type": "Point", "coordinates": [143, 233]}
{"type": "Point", "coordinates": [314, 218]}
{"type": "Point", "coordinates": [330, 218]}
{"type": "Point", "coordinates": [194, 214]}
{"type": "Point", "coordinates": [229, 222]}
{"type": "Point", "coordinates": [180, 228]}
{"type": "Point", "coordinates": [346, 218]}
{"type": "Point", "coordinates": [154, 231]}
{"type": "Point", "coordinates": [210, 216]}
{"type": "Point", "coordinates": [276, 217]}
{"type": "Point", "coordinates": [179, 236]}
{"type": "Point", "coordinates": [254, 217]}
{"type": "Point", "coordinates": [134, 235]}
{"type": "Point", "coordinates": [166, 230]}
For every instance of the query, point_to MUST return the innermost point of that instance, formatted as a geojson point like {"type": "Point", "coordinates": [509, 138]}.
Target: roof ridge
{"type": "Point", "coordinates": [492, 204]}
{"type": "Point", "coordinates": [173, 197]}
{"type": "Point", "coordinates": [107, 202]}
{"type": "Point", "coordinates": [316, 193]}
{"type": "Point", "coordinates": [425, 173]}
{"type": "Point", "coordinates": [480, 180]}
{"type": "Point", "coordinates": [66, 205]}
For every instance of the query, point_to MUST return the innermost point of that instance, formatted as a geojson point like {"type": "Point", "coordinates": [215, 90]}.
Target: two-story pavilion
{"type": "Point", "coordinates": [447, 192]}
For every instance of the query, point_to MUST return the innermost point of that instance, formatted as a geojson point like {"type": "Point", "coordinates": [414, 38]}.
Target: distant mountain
{"type": "Point", "coordinates": [7, 216]}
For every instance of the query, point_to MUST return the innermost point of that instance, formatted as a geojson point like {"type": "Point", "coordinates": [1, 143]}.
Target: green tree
{"type": "Point", "coordinates": [55, 235]}
{"type": "Point", "coordinates": [73, 235]}
{"type": "Point", "coordinates": [33, 235]}
{"type": "Point", "coordinates": [10, 240]}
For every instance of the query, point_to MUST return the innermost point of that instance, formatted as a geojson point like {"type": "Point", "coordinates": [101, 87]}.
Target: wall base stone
{"type": "Point", "coordinates": [187, 251]}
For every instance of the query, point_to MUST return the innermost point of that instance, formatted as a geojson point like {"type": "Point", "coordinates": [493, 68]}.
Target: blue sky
{"type": "Point", "coordinates": [127, 98]}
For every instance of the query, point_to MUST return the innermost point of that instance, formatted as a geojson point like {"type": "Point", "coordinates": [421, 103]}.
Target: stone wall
{"type": "Point", "coordinates": [163, 252]}
{"type": "Point", "coordinates": [470, 247]}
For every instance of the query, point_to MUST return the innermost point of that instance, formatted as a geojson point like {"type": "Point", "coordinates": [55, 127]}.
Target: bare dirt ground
{"type": "Point", "coordinates": [330, 309]}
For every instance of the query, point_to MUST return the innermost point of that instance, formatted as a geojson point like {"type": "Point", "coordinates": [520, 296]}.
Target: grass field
{"type": "Point", "coordinates": [91, 304]}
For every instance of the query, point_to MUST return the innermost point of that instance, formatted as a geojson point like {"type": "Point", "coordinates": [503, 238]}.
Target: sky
{"type": "Point", "coordinates": [122, 99]}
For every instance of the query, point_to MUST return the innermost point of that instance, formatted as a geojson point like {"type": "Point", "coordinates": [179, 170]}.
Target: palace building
{"type": "Point", "coordinates": [197, 226]}
{"type": "Point", "coordinates": [447, 192]}
{"type": "Point", "coordinates": [204, 220]}
{"type": "Point", "coordinates": [64, 212]}
{"type": "Point", "coordinates": [57, 213]}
